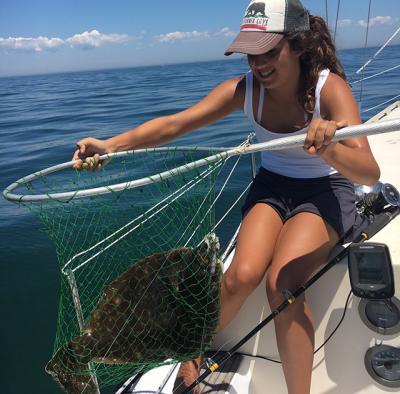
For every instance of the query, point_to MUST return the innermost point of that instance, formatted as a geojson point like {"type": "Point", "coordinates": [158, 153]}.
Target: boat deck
{"type": "Point", "coordinates": [339, 365]}
{"type": "Point", "coordinates": [386, 149]}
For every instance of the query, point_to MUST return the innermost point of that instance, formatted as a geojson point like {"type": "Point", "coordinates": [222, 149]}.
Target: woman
{"type": "Point", "coordinates": [301, 203]}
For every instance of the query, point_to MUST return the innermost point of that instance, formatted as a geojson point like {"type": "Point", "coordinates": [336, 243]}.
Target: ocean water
{"type": "Point", "coordinates": [41, 118]}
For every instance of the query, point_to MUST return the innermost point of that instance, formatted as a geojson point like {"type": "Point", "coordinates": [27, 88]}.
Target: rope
{"type": "Point", "coordinates": [365, 48]}
{"type": "Point", "coordinates": [376, 75]}
{"type": "Point", "coordinates": [378, 51]}
{"type": "Point", "coordinates": [336, 22]}
{"type": "Point", "coordinates": [326, 12]}
{"type": "Point", "coordinates": [379, 105]}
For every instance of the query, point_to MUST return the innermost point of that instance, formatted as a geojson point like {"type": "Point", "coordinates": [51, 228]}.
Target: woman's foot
{"type": "Point", "coordinates": [188, 373]}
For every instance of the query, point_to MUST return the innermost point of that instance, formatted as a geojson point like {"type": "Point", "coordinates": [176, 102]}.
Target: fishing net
{"type": "Point", "coordinates": [140, 274]}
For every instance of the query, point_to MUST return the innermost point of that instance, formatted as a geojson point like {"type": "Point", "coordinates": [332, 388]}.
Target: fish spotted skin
{"type": "Point", "coordinates": [154, 311]}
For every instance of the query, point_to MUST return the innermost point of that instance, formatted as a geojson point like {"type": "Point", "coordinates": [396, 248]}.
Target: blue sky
{"type": "Point", "coordinates": [42, 36]}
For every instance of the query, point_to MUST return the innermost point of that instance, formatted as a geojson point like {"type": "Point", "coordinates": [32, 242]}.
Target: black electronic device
{"type": "Point", "coordinates": [383, 365]}
{"type": "Point", "coordinates": [371, 271]}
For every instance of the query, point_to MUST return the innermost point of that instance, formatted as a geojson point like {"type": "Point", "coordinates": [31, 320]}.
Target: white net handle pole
{"type": "Point", "coordinates": [342, 134]}
{"type": "Point", "coordinates": [279, 144]}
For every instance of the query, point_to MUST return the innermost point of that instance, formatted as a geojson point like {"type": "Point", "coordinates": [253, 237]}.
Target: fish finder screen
{"type": "Point", "coordinates": [370, 268]}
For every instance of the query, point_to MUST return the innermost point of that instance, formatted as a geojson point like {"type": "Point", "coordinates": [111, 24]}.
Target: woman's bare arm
{"type": "Point", "coordinates": [220, 102]}
{"type": "Point", "coordinates": [353, 157]}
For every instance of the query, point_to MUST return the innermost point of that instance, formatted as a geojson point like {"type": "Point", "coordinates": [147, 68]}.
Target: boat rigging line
{"type": "Point", "coordinates": [336, 22]}
{"type": "Point", "coordinates": [379, 105]}
{"type": "Point", "coordinates": [378, 51]}
{"type": "Point", "coordinates": [365, 49]}
{"type": "Point", "coordinates": [326, 12]}
{"type": "Point", "coordinates": [375, 75]}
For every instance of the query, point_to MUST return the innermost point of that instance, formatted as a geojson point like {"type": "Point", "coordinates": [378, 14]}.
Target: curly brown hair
{"type": "Point", "coordinates": [317, 53]}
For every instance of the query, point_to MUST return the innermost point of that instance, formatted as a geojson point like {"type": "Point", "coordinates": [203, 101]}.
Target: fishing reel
{"type": "Point", "coordinates": [374, 199]}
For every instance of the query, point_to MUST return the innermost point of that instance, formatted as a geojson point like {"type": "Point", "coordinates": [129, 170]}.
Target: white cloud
{"type": "Point", "coordinates": [85, 40]}
{"type": "Point", "coordinates": [345, 22]}
{"type": "Point", "coordinates": [194, 35]}
{"type": "Point", "coordinates": [379, 20]}
{"type": "Point", "coordinates": [31, 44]}
{"type": "Point", "coordinates": [94, 39]}
{"type": "Point", "coordinates": [227, 32]}
{"type": "Point", "coordinates": [141, 36]}
{"type": "Point", "coordinates": [183, 35]}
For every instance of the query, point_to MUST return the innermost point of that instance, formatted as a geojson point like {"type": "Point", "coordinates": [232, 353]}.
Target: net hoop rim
{"type": "Point", "coordinates": [84, 193]}
{"type": "Point", "coordinates": [293, 141]}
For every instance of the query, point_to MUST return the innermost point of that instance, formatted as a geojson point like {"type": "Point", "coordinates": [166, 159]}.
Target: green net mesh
{"type": "Point", "coordinates": [140, 271]}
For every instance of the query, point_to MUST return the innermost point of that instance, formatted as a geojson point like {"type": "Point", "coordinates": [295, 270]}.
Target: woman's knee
{"type": "Point", "coordinates": [243, 279]}
{"type": "Point", "coordinates": [280, 283]}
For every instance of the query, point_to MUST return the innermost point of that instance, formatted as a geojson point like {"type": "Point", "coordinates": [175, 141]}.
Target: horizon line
{"type": "Point", "coordinates": [83, 70]}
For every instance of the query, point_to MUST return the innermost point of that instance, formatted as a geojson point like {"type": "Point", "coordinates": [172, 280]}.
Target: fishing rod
{"type": "Point", "coordinates": [381, 219]}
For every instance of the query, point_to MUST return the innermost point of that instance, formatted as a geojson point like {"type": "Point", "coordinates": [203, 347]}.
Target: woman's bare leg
{"type": "Point", "coordinates": [255, 246]}
{"type": "Point", "coordinates": [303, 246]}
{"type": "Point", "coordinates": [256, 241]}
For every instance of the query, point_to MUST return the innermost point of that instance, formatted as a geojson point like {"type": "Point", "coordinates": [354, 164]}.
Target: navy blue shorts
{"type": "Point", "coordinates": [331, 197]}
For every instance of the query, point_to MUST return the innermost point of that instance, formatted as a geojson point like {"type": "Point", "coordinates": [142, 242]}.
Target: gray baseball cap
{"type": "Point", "coordinates": [264, 24]}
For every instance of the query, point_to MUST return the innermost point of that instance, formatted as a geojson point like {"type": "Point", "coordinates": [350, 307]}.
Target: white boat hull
{"type": "Point", "coordinates": [339, 366]}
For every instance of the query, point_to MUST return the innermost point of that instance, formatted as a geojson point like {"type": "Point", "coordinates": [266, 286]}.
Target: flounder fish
{"type": "Point", "coordinates": [164, 306]}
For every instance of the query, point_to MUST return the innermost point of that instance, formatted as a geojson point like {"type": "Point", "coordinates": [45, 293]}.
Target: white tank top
{"type": "Point", "coordinates": [294, 162]}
